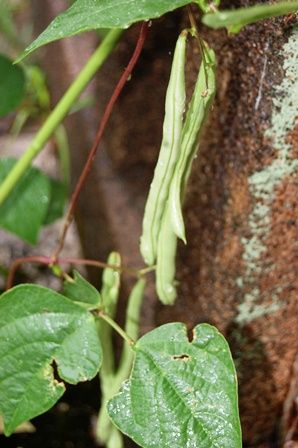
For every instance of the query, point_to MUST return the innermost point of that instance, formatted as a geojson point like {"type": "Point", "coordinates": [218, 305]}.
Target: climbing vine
{"type": "Point", "coordinates": [166, 390]}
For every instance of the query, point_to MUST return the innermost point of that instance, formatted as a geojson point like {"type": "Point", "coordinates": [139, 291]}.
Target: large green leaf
{"type": "Point", "coordinates": [12, 85]}
{"type": "Point", "coordinates": [85, 15]}
{"type": "Point", "coordinates": [24, 212]}
{"type": "Point", "coordinates": [38, 327]}
{"type": "Point", "coordinates": [180, 393]}
{"type": "Point", "coordinates": [236, 19]}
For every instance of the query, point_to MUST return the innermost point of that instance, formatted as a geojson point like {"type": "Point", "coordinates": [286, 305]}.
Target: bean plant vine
{"type": "Point", "coordinates": [166, 390]}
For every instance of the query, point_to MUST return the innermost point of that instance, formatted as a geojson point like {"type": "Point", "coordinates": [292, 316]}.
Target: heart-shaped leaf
{"type": "Point", "coordinates": [39, 327]}
{"type": "Point", "coordinates": [180, 394]}
{"type": "Point", "coordinates": [86, 15]}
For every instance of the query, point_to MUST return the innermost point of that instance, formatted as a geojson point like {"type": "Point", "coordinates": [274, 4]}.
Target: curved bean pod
{"type": "Point", "coordinates": [165, 266]}
{"type": "Point", "coordinates": [197, 113]}
{"type": "Point", "coordinates": [168, 156]}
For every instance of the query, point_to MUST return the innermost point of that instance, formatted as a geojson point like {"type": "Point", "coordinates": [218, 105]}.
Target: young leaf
{"type": "Point", "coordinates": [235, 20]}
{"type": "Point", "coordinates": [24, 211]}
{"type": "Point", "coordinates": [180, 393]}
{"type": "Point", "coordinates": [39, 327]}
{"type": "Point", "coordinates": [85, 15]}
{"type": "Point", "coordinates": [12, 85]}
{"type": "Point", "coordinates": [81, 291]}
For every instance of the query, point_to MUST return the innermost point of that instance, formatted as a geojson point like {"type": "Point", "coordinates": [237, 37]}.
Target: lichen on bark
{"type": "Point", "coordinates": [263, 184]}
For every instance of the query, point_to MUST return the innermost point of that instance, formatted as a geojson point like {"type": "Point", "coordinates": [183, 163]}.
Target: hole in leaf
{"type": "Point", "coordinates": [55, 372]}
{"type": "Point", "coordinates": [184, 357]}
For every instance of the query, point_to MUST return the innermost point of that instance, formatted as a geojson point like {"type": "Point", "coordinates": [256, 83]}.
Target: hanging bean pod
{"type": "Point", "coordinates": [197, 113]}
{"type": "Point", "coordinates": [165, 266]}
{"type": "Point", "coordinates": [168, 156]}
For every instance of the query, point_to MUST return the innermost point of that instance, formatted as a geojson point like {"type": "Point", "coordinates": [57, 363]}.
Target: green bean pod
{"type": "Point", "coordinates": [165, 266]}
{"type": "Point", "coordinates": [168, 156]}
{"type": "Point", "coordinates": [132, 324]}
{"type": "Point", "coordinates": [134, 309]}
{"type": "Point", "coordinates": [197, 113]}
{"type": "Point", "coordinates": [111, 284]}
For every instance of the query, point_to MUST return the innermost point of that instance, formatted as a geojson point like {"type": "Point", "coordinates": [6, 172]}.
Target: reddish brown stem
{"type": "Point", "coordinates": [48, 261]}
{"type": "Point", "coordinates": [106, 116]}
{"type": "Point", "coordinates": [17, 263]}
{"type": "Point", "coordinates": [97, 264]}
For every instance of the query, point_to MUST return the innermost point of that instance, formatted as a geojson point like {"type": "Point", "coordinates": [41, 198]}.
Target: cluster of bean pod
{"type": "Point", "coordinates": [163, 219]}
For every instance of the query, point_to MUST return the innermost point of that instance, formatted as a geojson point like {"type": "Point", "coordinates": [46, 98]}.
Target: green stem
{"type": "Point", "coordinates": [60, 111]}
{"type": "Point", "coordinates": [19, 122]}
{"type": "Point", "coordinates": [116, 327]}
{"type": "Point", "coordinates": [145, 271]}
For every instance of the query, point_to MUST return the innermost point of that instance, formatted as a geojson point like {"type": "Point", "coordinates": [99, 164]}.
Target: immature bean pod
{"type": "Point", "coordinates": [134, 309]}
{"type": "Point", "coordinates": [165, 266]}
{"type": "Point", "coordinates": [197, 113]}
{"type": "Point", "coordinates": [168, 156]}
{"type": "Point", "coordinates": [111, 284]}
{"type": "Point", "coordinates": [132, 325]}
{"type": "Point", "coordinates": [172, 224]}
